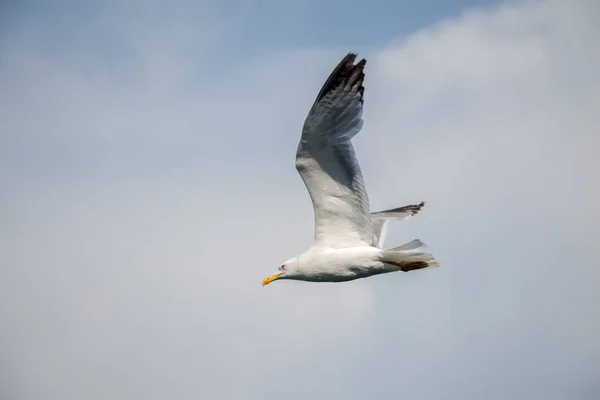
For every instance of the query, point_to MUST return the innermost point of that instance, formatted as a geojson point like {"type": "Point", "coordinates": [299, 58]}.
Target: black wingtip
{"type": "Point", "coordinates": [345, 73]}
{"type": "Point", "coordinates": [413, 209]}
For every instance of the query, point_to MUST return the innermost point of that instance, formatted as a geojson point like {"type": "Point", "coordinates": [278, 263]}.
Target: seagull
{"type": "Point", "coordinates": [348, 239]}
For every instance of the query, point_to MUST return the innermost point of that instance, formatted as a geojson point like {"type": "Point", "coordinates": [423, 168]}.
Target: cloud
{"type": "Point", "coordinates": [148, 193]}
{"type": "Point", "coordinates": [493, 117]}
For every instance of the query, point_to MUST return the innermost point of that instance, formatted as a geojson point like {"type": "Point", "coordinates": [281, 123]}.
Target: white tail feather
{"type": "Point", "coordinates": [410, 246]}
{"type": "Point", "coordinates": [409, 256]}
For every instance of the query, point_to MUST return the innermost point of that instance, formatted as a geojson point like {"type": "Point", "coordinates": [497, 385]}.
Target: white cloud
{"type": "Point", "coordinates": [140, 218]}
{"type": "Point", "coordinates": [493, 116]}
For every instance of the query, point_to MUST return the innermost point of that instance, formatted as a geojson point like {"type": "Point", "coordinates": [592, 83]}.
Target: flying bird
{"type": "Point", "coordinates": [348, 240]}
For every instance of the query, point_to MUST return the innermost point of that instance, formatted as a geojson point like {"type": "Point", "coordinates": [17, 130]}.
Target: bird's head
{"type": "Point", "coordinates": [288, 270]}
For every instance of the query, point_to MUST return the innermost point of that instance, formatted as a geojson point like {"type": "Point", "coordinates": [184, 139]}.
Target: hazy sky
{"type": "Point", "coordinates": [148, 185]}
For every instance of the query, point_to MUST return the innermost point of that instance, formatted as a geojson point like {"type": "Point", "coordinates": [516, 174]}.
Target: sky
{"type": "Point", "coordinates": [147, 186]}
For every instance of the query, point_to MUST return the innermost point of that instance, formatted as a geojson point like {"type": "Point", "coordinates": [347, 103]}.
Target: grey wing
{"type": "Point", "coordinates": [382, 218]}
{"type": "Point", "coordinates": [327, 163]}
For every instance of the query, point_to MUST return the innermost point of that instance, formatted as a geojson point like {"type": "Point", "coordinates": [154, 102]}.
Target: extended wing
{"type": "Point", "coordinates": [326, 161]}
{"type": "Point", "coordinates": [381, 219]}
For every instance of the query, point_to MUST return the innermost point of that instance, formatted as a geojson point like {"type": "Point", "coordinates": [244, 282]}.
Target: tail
{"type": "Point", "coordinates": [409, 256]}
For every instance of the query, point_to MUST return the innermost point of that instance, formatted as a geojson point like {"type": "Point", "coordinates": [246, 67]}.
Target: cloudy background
{"type": "Point", "coordinates": [147, 186]}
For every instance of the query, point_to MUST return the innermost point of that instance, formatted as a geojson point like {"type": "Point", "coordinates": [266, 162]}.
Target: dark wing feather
{"type": "Point", "coordinates": [327, 163]}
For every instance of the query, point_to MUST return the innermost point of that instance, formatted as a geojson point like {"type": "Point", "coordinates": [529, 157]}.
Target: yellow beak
{"type": "Point", "coordinates": [271, 278]}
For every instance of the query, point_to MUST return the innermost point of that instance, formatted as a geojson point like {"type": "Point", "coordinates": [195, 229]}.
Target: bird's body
{"type": "Point", "coordinates": [323, 264]}
{"type": "Point", "coordinates": [348, 237]}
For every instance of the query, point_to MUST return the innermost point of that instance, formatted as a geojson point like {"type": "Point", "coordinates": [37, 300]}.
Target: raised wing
{"type": "Point", "coordinates": [327, 163]}
{"type": "Point", "coordinates": [381, 219]}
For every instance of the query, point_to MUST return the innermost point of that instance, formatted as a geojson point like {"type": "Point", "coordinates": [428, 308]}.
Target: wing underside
{"type": "Point", "coordinates": [327, 163]}
{"type": "Point", "coordinates": [382, 218]}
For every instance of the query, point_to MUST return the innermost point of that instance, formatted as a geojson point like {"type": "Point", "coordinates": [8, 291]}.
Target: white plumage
{"type": "Point", "coordinates": [349, 239]}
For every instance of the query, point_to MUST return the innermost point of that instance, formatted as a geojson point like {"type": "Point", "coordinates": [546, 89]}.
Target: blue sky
{"type": "Point", "coordinates": [263, 23]}
{"type": "Point", "coordinates": [146, 167]}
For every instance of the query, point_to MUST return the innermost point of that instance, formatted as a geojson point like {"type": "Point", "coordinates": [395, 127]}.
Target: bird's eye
{"type": "Point", "coordinates": [282, 268]}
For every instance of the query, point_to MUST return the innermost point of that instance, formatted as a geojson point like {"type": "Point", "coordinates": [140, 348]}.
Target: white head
{"type": "Point", "coordinates": [288, 270]}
